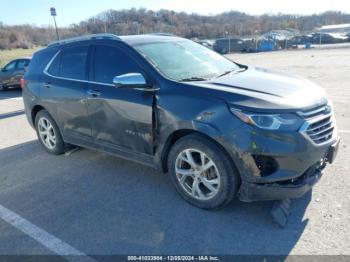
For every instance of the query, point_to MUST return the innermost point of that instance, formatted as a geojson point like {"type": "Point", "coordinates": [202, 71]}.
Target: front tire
{"type": "Point", "coordinates": [48, 133]}
{"type": "Point", "coordinates": [202, 172]}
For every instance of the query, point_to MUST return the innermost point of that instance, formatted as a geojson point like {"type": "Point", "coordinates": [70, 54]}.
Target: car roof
{"type": "Point", "coordinates": [132, 40]}
{"type": "Point", "coordinates": [21, 58]}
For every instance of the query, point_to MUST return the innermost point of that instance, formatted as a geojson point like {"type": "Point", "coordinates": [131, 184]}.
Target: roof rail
{"type": "Point", "coordinates": [162, 34]}
{"type": "Point", "coordinates": [85, 37]}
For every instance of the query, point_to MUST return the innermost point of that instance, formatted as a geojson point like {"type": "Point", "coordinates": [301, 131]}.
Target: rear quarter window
{"type": "Point", "coordinates": [54, 68]}
{"type": "Point", "coordinates": [39, 62]}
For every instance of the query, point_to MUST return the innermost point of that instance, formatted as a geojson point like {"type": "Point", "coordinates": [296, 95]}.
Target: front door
{"type": "Point", "coordinates": [7, 74]}
{"type": "Point", "coordinates": [120, 117]}
{"type": "Point", "coordinates": [20, 69]}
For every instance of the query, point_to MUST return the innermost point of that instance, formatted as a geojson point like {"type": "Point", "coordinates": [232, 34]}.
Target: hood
{"type": "Point", "coordinates": [258, 88]}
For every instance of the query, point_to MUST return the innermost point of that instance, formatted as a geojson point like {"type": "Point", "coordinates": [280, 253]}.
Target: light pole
{"type": "Point", "coordinates": [256, 38]}
{"type": "Point", "coordinates": [54, 14]}
{"type": "Point", "coordinates": [137, 25]}
{"type": "Point", "coordinates": [229, 42]}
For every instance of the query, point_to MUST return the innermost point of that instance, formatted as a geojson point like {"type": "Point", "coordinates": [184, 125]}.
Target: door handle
{"type": "Point", "coordinates": [93, 93]}
{"type": "Point", "coordinates": [47, 85]}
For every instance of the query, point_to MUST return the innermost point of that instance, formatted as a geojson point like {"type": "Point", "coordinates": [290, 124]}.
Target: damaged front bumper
{"type": "Point", "coordinates": [278, 165]}
{"type": "Point", "coordinates": [293, 188]}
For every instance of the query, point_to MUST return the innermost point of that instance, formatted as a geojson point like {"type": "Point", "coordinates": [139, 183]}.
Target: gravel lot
{"type": "Point", "coordinates": [100, 204]}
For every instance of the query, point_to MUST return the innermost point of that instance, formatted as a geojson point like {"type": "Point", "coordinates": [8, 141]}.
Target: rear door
{"type": "Point", "coordinates": [63, 91]}
{"type": "Point", "coordinates": [120, 117]}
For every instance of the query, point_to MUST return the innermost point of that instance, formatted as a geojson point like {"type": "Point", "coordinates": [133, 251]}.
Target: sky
{"type": "Point", "coordinates": [73, 11]}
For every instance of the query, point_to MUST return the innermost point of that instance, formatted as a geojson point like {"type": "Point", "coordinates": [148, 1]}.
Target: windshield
{"type": "Point", "coordinates": [186, 60]}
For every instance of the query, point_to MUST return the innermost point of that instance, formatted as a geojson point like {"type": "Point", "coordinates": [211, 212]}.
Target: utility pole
{"type": "Point", "coordinates": [54, 14]}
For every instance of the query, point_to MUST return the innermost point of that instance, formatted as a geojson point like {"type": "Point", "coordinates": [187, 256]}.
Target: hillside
{"type": "Point", "coordinates": [134, 21]}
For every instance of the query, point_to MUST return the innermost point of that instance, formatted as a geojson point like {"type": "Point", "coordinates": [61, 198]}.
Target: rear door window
{"type": "Point", "coordinates": [73, 62]}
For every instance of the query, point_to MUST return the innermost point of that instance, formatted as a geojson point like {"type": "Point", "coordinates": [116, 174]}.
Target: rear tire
{"type": "Point", "coordinates": [202, 172]}
{"type": "Point", "coordinates": [48, 133]}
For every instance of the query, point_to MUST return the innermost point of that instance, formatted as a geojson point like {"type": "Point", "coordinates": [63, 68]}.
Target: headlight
{"type": "Point", "coordinates": [284, 122]}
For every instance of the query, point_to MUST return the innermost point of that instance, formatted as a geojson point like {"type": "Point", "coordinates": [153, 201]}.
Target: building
{"type": "Point", "coordinates": [340, 28]}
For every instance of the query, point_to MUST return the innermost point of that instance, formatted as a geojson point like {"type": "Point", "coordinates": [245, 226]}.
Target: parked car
{"type": "Point", "coordinates": [219, 129]}
{"type": "Point", "coordinates": [11, 73]}
{"type": "Point", "coordinates": [329, 38]}
{"type": "Point", "coordinates": [206, 43]}
{"type": "Point", "coordinates": [302, 39]}
{"type": "Point", "coordinates": [228, 45]}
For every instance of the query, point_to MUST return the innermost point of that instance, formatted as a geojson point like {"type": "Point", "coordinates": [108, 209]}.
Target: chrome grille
{"type": "Point", "coordinates": [315, 111]}
{"type": "Point", "coordinates": [320, 124]}
{"type": "Point", "coordinates": [321, 131]}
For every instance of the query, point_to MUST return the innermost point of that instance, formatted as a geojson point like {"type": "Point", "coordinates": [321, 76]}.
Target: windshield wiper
{"type": "Point", "coordinates": [193, 78]}
{"type": "Point", "coordinates": [226, 72]}
{"type": "Point", "coordinates": [229, 71]}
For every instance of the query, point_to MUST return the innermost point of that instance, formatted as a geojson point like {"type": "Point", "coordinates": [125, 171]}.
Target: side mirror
{"type": "Point", "coordinates": [132, 80]}
{"type": "Point", "coordinates": [3, 69]}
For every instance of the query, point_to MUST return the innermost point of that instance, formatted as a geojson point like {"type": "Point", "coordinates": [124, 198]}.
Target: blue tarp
{"type": "Point", "coordinates": [267, 45]}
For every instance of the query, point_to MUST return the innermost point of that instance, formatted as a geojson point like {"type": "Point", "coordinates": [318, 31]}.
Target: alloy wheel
{"type": "Point", "coordinates": [197, 174]}
{"type": "Point", "coordinates": [47, 133]}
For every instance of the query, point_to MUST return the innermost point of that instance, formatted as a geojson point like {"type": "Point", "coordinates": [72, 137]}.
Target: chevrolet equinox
{"type": "Point", "coordinates": [219, 129]}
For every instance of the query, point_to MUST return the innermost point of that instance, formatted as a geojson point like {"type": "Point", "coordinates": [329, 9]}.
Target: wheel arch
{"type": "Point", "coordinates": [35, 111]}
{"type": "Point", "coordinates": [176, 135]}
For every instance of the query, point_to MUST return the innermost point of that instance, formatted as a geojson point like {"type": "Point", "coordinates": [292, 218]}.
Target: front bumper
{"type": "Point", "coordinates": [291, 188]}
{"type": "Point", "coordinates": [296, 167]}
{"type": "Point", "coordinates": [281, 190]}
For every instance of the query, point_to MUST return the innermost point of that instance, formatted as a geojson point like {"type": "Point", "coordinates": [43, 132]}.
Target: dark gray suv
{"type": "Point", "coordinates": [218, 128]}
{"type": "Point", "coordinates": [11, 73]}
